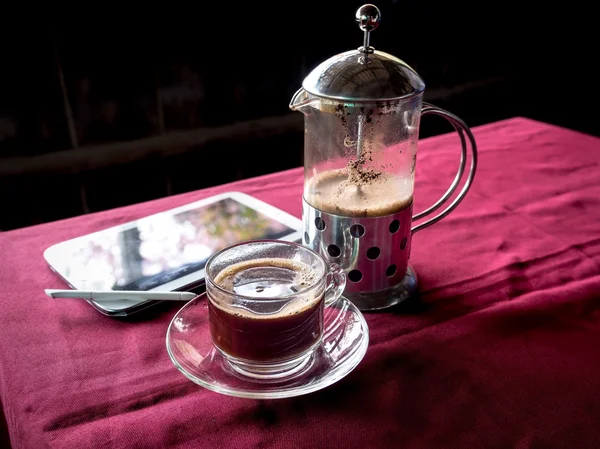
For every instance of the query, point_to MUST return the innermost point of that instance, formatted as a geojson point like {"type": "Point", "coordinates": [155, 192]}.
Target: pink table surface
{"type": "Point", "coordinates": [502, 349]}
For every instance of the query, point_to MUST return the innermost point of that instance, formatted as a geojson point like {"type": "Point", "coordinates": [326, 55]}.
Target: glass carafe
{"type": "Point", "coordinates": [359, 158]}
{"type": "Point", "coordinates": [362, 111]}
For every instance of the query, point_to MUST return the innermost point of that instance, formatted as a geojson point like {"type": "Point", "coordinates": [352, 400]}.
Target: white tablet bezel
{"type": "Point", "coordinates": [53, 253]}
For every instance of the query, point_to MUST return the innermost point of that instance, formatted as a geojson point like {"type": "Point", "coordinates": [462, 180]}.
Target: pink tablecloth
{"type": "Point", "coordinates": [502, 350]}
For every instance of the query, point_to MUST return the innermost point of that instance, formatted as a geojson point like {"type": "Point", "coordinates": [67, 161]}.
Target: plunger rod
{"type": "Point", "coordinates": [360, 137]}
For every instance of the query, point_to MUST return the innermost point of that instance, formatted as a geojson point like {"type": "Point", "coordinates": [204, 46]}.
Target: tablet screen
{"type": "Point", "coordinates": [162, 248]}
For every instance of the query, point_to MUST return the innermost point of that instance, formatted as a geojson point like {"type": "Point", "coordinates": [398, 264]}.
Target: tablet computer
{"type": "Point", "coordinates": [166, 251]}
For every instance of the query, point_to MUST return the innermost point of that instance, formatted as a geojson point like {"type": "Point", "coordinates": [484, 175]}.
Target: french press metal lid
{"type": "Point", "coordinates": [364, 74]}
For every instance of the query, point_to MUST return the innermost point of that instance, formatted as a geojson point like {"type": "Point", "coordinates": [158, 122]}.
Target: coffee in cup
{"type": "Point", "coordinates": [266, 301]}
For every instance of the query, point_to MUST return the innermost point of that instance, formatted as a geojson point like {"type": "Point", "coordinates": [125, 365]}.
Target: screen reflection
{"type": "Point", "coordinates": [165, 247]}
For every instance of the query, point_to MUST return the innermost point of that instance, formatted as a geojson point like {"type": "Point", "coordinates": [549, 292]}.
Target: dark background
{"type": "Point", "coordinates": [102, 109]}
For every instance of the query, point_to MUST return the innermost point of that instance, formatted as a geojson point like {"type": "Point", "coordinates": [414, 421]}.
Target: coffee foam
{"type": "Point", "coordinates": [333, 193]}
{"type": "Point", "coordinates": [306, 277]}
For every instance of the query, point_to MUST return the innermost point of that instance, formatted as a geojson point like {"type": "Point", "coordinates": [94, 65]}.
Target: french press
{"type": "Point", "coordinates": [362, 110]}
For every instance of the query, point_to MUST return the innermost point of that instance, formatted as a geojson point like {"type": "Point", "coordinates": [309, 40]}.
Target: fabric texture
{"type": "Point", "coordinates": [501, 349]}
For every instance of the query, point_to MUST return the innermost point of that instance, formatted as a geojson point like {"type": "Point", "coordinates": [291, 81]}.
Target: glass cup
{"type": "Point", "coordinates": [266, 301]}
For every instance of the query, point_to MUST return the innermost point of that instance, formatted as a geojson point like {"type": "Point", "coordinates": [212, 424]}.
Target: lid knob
{"type": "Point", "coordinates": [368, 18]}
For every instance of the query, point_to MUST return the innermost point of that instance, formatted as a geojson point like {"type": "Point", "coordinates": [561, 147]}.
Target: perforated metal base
{"type": "Point", "coordinates": [373, 251]}
{"type": "Point", "coordinates": [387, 298]}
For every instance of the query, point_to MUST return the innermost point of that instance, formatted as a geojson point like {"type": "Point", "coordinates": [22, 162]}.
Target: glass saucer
{"type": "Point", "coordinates": [344, 344]}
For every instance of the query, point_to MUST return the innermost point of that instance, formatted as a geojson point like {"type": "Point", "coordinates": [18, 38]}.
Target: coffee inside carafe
{"type": "Point", "coordinates": [364, 165]}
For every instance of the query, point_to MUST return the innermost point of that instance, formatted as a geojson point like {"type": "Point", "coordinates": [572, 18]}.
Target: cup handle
{"type": "Point", "coordinates": [336, 283]}
{"type": "Point", "coordinates": [462, 129]}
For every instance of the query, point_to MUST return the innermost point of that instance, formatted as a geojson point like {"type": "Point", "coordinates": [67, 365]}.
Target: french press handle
{"type": "Point", "coordinates": [462, 129]}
